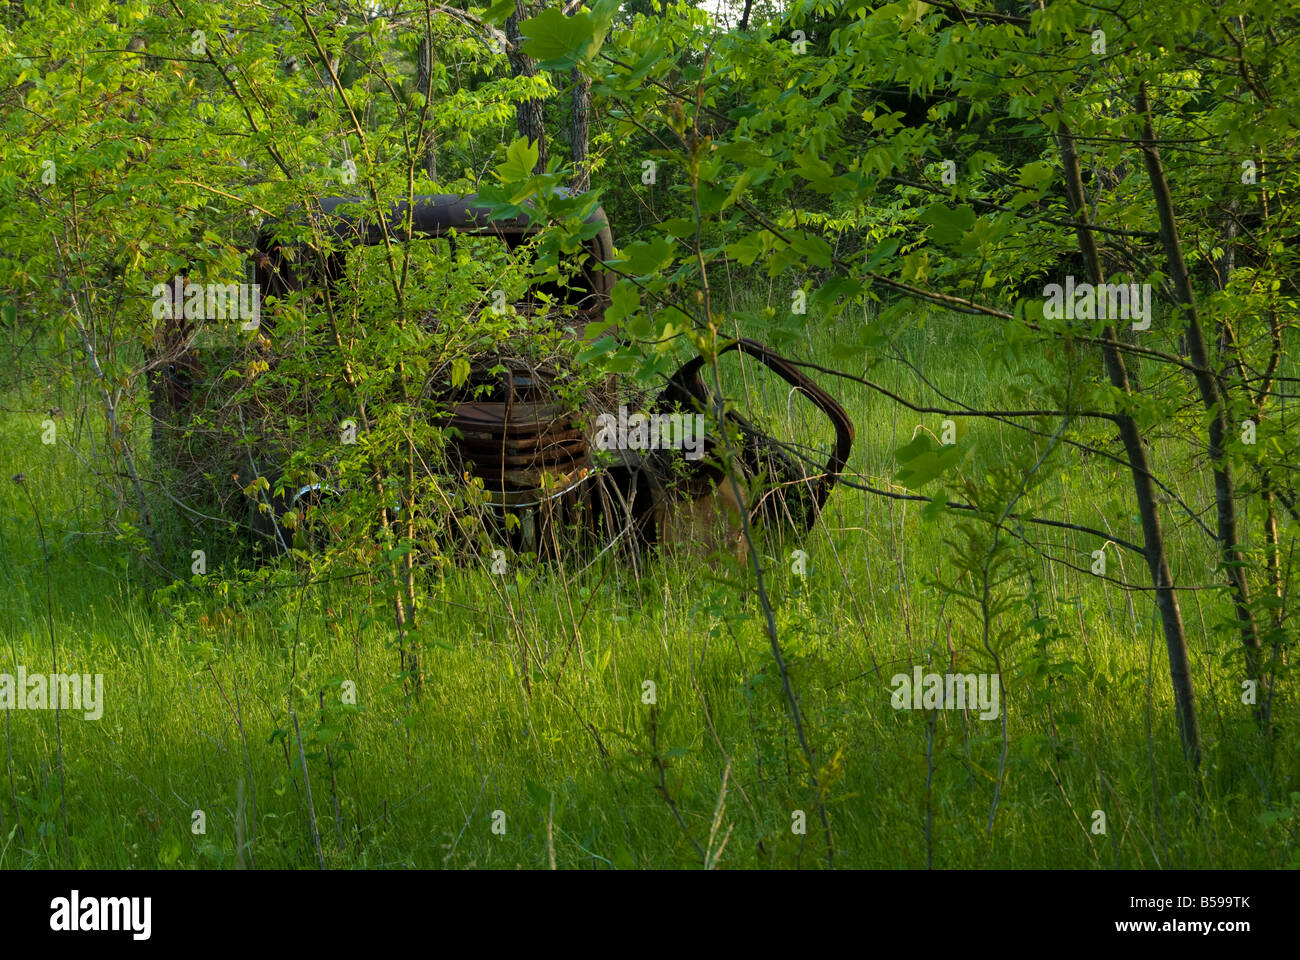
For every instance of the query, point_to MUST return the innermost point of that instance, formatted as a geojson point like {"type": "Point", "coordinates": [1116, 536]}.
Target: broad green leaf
{"type": "Point", "coordinates": [624, 301]}
{"type": "Point", "coordinates": [558, 42]}
{"type": "Point", "coordinates": [521, 157]}
{"type": "Point", "coordinates": [948, 224]}
{"type": "Point", "coordinates": [646, 257]}
{"type": "Point", "coordinates": [922, 460]}
{"type": "Point", "coordinates": [500, 11]}
{"type": "Point", "coordinates": [746, 249]}
{"type": "Point", "coordinates": [817, 250]}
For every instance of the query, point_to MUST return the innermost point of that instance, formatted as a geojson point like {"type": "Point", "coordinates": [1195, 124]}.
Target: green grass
{"type": "Point", "coordinates": [202, 693]}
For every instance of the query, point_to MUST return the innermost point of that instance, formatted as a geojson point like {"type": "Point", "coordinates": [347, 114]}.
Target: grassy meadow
{"type": "Point", "coordinates": [217, 700]}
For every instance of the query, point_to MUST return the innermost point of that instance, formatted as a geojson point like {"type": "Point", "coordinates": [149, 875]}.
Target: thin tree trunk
{"type": "Point", "coordinates": [1171, 617]}
{"type": "Point", "coordinates": [1273, 564]}
{"type": "Point", "coordinates": [119, 441]}
{"type": "Point", "coordinates": [1214, 402]}
{"type": "Point", "coordinates": [424, 83]}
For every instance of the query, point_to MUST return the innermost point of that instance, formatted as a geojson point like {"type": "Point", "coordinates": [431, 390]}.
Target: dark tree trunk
{"type": "Point", "coordinates": [528, 112]}
{"type": "Point", "coordinates": [580, 130]}
{"type": "Point", "coordinates": [1213, 400]}
{"type": "Point", "coordinates": [424, 83]}
{"type": "Point", "coordinates": [1171, 617]}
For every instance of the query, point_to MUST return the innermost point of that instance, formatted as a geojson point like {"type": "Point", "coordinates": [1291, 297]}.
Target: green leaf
{"type": "Point", "coordinates": [747, 248]}
{"type": "Point", "coordinates": [834, 288]}
{"type": "Point", "coordinates": [500, 11]}
{"type": "Point", "coordinates": [935, 507]}
{"type": "Point", "coordinates": [817, 250]}
{"type": "Point", "coordinates": [884, 250]}
{"type": "Point", "coordinates": [170, 852]}
{"type": "Point", "coordinates": [1036, 174]}
{"type": "Point", "coordinates": [646, 257]}
{"type": "Point", "coordinates": [625, 300]}
{"type": "Point", "coordinates": [602, 16]}
{"type": "Point", "coordinates": [923, 460]}
{"type": "Point", "coordinates": [679, 227]}
{"type": "Point", "coordinates": [521, 157]}
{"type": "Point", "coordinates": [558, 42]}
{"type": "Point", "coordinates": [537, 793]}
{"type": "Point", "coordinates": [948, 224]}
{"type": "Point", "coordinates": [915, 10]}
{"type": "Point", "coordinates": [459, 371]}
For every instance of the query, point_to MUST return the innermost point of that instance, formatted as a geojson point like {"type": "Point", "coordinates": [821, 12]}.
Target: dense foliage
{"type": "Point", "coordinates": [1104, 198]}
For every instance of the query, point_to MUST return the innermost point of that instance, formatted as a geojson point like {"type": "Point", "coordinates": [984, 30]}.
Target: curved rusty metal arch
{"type": "Point", "coordinates": [686, 389]}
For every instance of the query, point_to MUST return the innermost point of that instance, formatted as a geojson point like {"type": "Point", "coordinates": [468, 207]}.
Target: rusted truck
{"type": "Point", "coordinates": [538, 459]}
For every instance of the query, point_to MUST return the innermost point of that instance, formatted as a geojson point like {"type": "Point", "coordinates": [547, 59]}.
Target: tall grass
{"type": "Point", "coordinates": [569, 761]}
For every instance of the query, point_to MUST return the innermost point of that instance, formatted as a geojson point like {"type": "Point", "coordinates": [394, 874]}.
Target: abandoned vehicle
{"type": "Point", "coordinates": [546, 466]}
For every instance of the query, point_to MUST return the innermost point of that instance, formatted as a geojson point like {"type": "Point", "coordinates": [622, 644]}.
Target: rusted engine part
{"type": "Point", "coordinates": [543, 490]}
{"type": "Point", "coordinates": [512, 433]}
{"type": "Point", "coordinates": [781, 488]}
{"type": "Point", "coordinates": [174, 366]}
